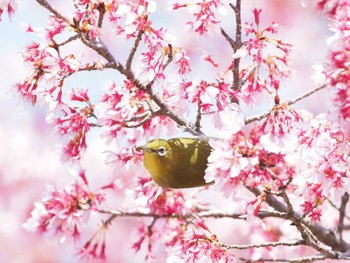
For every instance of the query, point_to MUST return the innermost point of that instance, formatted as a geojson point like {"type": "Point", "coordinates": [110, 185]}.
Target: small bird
{"type": "Point", "coordinates": [177, 162]}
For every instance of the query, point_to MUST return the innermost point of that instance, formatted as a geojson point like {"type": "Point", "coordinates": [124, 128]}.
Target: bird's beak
{"type": "Point", "coordinates": [143, 148]}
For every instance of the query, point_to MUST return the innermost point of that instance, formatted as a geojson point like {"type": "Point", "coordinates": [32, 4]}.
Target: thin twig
{"type": "Point", "coordinates": [165, 110]}
{"type": "Point", "coordinates": [134, 49]}
{"type": "Point", "coordinates": [170, 55]}
{"type": "Point", "coordinates": [305, 95]}
{"type": "Point", "coordinates": [266, 244]}
{"type": "Point", "coordinates": [46, 5]}
{"type": "Point", "coordinates": [335, 207]}
{"type": "Point", "coordinates": [291, 260]}
{"type": "Point", "coordinates": [228, 38]}
{"type": "Point", "coordinates": [204, 214]}
{"type": "Point", "coordinates": [70, 39]}
{"type": "Point", "coordinates": [290, 102]}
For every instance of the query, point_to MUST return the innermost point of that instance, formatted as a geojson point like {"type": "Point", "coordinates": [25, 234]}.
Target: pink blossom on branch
{"type": "Point", "coordinates": [204, 14]}
{"type": "Point", "coordinates": [62, 212]}
{"type": "Point", "coordinates": [268, 67]}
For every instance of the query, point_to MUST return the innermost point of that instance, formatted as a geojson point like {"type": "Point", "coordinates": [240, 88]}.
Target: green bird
{"type": "Point", "coordinates": [178, 162]}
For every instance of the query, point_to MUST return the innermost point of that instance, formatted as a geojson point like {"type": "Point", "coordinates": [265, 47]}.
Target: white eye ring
{"type": "Point", "coordinates": [161, 151]}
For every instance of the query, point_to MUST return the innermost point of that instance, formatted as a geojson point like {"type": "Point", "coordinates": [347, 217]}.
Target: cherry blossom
{"type": "Point", "coordinates": [9, 6]}
{"type": "Point", "coordinates": [61, 212]}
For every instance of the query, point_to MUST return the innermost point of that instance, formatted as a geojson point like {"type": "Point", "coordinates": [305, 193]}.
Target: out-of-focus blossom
{"type": "Point", "coordinates": [336, 71]}
{"type": "Point", "coordinates": [9, 6]}
{"type": "Point", "coordinates": [61, 212]}
{"type": "Point", "coordinates": [200, 245]}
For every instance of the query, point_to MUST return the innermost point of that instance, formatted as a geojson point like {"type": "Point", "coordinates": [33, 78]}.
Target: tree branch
{"type": "Point", "coordinates": [290, 102]}
{"type": "Point", "coordinates": [238, 44]}
{"type": "Point", "coordinates": [228, 38]}
{"type": "Point", "coordinates": [70, 39]}
{"type": "Point", "coordinates": [47, 6]}
{"type": "Point", "coordinates": [266, 244]}
{"type": "Point", "coordinates": [165, 110]}
{"type": "Point", "coordinates": [292, 260]}
{"type": "Point", "coordinates": [199, 116]}
{"type": "Point", "coordinates": [133, 50]}
{"type": "Point", "coordinates": [322, 234]}
{"type": "Point", "coordinates": [344, 202]}
{"type": "Point", "coordinates": [102, 11]}
{"type": "Point", "coordinates": [203, 214]}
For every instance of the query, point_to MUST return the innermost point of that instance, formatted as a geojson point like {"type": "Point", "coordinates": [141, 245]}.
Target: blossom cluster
{"type": "Point", "coordinates": [337, 69]}
{"type": "Point", "coordinates": [63, 211]}
{"type": "Point", "coordinates": [168, 229]}
{"type": "Point", "coordinates": [204, 14]}
{"type": "Point", "coordinates": [200, 245]}
{"type": "Point", "coordinates": [267, 69]}
{"type": "Point", "coordinates": [327, 175]}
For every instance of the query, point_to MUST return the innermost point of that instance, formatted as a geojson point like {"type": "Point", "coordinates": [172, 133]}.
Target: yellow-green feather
{"type": "Point", "coordinates": [184, 164]}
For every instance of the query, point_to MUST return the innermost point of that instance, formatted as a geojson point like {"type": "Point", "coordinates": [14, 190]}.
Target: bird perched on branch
{"type": "Point", "coordinates": [177, 162]}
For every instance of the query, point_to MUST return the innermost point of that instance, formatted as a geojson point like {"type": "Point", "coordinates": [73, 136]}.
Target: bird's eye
{"type": "Point", "coordinates": [161, 151]}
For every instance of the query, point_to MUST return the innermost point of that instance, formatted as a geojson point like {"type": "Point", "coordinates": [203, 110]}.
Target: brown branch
{"type": "Point", "coordinates": [165, 110]}
{"type": "Point", "coordinates": [305, 95]}
{"type": "Point", "coordinates": [296, 221]}
{"type": "Point", "coordinates": [290, 102]}
{"type": "Point", "coordinates": [199, 116]}
{"type": "Point", "coordinates": [102, 11]}
{"type": "Point", "coordinates": [266, 244]}
{"type": "Point", "coordinates": [103, 51]}
{"type": "Point", "coordinates": [70, 39]}
{"type": "Point", "coordinates": [228, 38]}
{"type": "Point", "coordinates": [202, 214]}
{"type": "Point", "coordinates": [133, 50]}
{"type": "Point", "coordinates": [344, 202]}
{"type": "Point", "coordinates": [52, 10]}
{"type": "Point", "coordinates": [238, 44]}
{"type": "Point", "coordinates": [291, 260]}
{"type": "Point", "coordinates": [324, 235]}
{"type": "Point", "coordinates": [335, 207]}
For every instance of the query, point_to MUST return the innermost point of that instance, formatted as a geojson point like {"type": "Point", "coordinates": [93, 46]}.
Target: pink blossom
{"type": "Point", "coordinates": [158, 200]}
{"type": "Point", "coordinates": [200, 244]}
{"type": "Point", "coordinates": [337, 73]}
{"type": "Point", "coordinates": [75, 123]}
{"type": "Point", "coordinates": [275, 66]}
{"type": "Point", "coordinates": [224, 165]}
{"type": "Point", "coordinates": [10, 7]}
{"type": "Point", "coordinates": [61, 212]}
{"type": "Point", "coordinates": [281, 121]}
{"type": "Point", "coordinates": [204, 15]}
{"type": "Point", "coordinates": [183, 62]}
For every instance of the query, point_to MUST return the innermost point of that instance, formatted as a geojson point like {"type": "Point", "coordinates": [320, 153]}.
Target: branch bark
{"type": "Point", "coordinates": [290, 102]}
{"type": "Point", "coordinates": [323, 234]}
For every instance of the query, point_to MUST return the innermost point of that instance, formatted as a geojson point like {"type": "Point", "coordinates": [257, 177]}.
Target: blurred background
{"type": "Point", "coordinates": [30, 151]}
